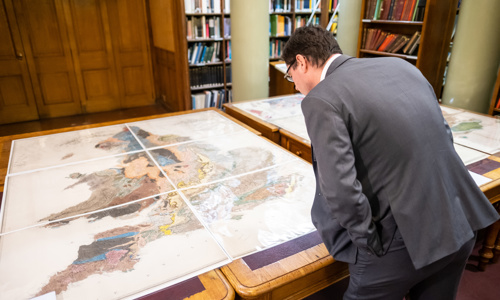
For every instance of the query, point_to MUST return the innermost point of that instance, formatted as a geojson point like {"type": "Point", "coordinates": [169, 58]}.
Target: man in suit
{"type": "Point", "coordinates": [393, 198]}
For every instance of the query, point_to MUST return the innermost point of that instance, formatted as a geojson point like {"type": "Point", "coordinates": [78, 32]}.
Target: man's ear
{"type": "Point", "coordinates": [302, 63]}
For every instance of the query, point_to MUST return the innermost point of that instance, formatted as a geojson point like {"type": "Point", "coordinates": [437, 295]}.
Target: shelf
{"type": "Point", "coordinates": [306, 12]}
{"type": "Point", "coordinates": [208, 87]}
{"type": "Point", "coordinates": [389, 22]}
{"type": "Point", "coordinates": [380, 53]}
{"type": "Point", "coordinates": [289, 13]}
{"type": "Point", "coordinates": [206, 64]}
{"type": "Point", "coordinates": [206, 40]}
{"type": "Point", "coordinates": [202, 14]}
{"type": "Point", "coordinates": [279, 37]}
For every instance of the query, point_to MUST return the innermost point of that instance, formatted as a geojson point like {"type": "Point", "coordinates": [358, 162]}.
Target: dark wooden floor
{"type": "Point", "coordinates": [33, 126]}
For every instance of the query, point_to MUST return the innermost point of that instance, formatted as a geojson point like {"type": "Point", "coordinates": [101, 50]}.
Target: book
{"type": "Point", "coordinates": [371, 44]}
{"type": "Point", "coordinates": [414, 47]}
{"type": "Point", "coordinates": [419, 15]}
{"type": "Point", "coordinates": [391, 10]}
{"type": "Point", "coordinates": [227, 27]}
{"type": "Point", "coordinates": [401, 44]}
{"type": "Point", "coordinates": [386, 42]}
{"type": "Point", "coordinates": [410, 43]}
{"type": "Point", "coordinates": [397, 10]}
{"type": "Point", "coordinates": [384, 9]}
{"type": "Point", "coordinates": [380, 40]}
{"type": "Point", "coordinates": [393, 43]}
{"type": "Point", "coordinates": [376, 14]}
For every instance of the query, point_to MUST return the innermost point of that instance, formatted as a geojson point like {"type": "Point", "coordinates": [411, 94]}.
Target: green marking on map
{"type": "Point", "coordinates": [466, 126]}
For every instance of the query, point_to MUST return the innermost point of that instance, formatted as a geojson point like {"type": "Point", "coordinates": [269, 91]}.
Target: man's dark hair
{"type": "Point", "coordinates": [313, 42]}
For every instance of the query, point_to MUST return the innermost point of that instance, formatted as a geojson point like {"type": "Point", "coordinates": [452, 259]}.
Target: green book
{"type": "Point", "coordinates": [274, 25]}
{"type": "Point", "coordinates": [376, 15]}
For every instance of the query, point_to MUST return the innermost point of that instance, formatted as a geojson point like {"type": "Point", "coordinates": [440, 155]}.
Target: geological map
{"type": "Point", "coordinates": [144, 205]}
{"type": "Point", "coordinates": [475, 131]}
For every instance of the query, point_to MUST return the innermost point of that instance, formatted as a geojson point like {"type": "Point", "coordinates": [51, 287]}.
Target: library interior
{"type": "Point", "coordinates": [211, 175]}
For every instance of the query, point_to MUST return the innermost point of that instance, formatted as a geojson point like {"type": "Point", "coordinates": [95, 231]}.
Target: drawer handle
{"type": "Point", "coordinates": [299, 153]}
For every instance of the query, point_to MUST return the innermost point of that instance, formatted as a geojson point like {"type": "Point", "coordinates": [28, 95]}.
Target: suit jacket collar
{"type": "Point", "coordinates": [336, 63]}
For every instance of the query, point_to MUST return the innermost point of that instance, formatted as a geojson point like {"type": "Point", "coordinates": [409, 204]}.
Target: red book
{"type": "Point", "coordinates": [398, 10]}
{"type": "Point", "coordinates": [411, 11]}
{"type": "Point", "coordinates": [384, 10]}
{"type": "Point", "coordinates": [386, 42]}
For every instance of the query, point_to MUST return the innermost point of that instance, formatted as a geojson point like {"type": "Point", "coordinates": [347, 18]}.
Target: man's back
{"type": "Point", "coordinates": [403, 154]}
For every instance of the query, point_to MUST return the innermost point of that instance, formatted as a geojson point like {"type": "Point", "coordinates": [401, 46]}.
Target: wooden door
{"type": "Point", "coordinates": [45, 37]}
{"type": "Point", "coordinates": [91, 46]}
{"type": "Point", "coordinates": [17, 101]}
{"type": "Point", "coordinates": [129, 34]}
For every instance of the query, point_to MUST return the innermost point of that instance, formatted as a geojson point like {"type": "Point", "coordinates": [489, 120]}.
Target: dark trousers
{"type": "Point", "coordinates": [393, 276]}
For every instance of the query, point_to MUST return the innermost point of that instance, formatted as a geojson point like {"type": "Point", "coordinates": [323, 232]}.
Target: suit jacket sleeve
{"type": "Point", "coordinates": [335, 158]}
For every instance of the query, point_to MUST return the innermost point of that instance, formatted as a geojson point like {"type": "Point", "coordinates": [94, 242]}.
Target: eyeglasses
{"type": "Point", "coordinates": [288, 76]}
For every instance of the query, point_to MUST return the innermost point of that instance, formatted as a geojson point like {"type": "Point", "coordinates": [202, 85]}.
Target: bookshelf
{"type": "Point", "coordinates": [495, 98]}
{"type": "Point", "coordinates": [287, 15]}
{"type": "Point", "coordinates": [208, 38]}
{"type": "Point", "coordinates": [429, 22]}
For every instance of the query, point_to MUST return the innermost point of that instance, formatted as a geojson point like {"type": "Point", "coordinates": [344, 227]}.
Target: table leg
{"type": "Point", "coordinates": [490, 244]}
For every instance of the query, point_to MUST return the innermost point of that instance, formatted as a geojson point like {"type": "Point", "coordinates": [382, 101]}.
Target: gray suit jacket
{"type": "Point", "coordinates": [384, 159]}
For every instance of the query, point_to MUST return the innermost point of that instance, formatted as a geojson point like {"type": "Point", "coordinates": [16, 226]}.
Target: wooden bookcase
{"type": "Point", "coordinates": [216, 73]}
{"type": "Point", "coordinates": [169, 47]}
{"type": "Point", "coordinates": [171, 64]}
{"type": "Point", "coordinates": [435, 29]}
{"type": "Point", "coordinates": [495, 98]}
{"type": "Point", "coordinates": [291, 10]}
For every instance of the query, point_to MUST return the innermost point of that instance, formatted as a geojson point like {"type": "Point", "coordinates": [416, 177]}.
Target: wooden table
{"type": "Point", "coordinates": [267, 129]}
{"type": "Point", "coordinates": [287, 139]}
{"type": "Point", "coordinates": [293, 270]}
{"type": "Point", "coordinates": [210, 285]}
{"type": "Point", "coordinates": [278, 85]}
{"type": "Point", "coordinates": [488, 167]}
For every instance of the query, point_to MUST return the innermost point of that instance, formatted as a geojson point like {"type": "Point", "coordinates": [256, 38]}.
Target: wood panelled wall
{"type": "Point", "coordinates": [66, 57]}
{"type": "Point", "coordinates": [170, 53]}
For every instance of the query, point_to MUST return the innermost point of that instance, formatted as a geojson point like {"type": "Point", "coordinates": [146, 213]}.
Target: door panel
{"type": "Point", "coordinates": [17, 102]}
{"type": "Point", "coordinates": [129, 35]}
{"type": "Point", "coordinates": [49, 57]}
{"type": "Point", "coordinates": [91, 44]}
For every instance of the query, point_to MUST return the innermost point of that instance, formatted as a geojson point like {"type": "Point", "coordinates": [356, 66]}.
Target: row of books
{"type": "Point", "coordinates": [206, 6]}
{"type": "Point", "coordinates": [212, 98]}
{"type": "Point", "coordinates": [379, 40]}
{"type": "Point", "coordinates": [283, 6]}
{"type": "Point", "coordinates": [332, 5]}
{"type": "Point", "coordinates": [280, 25]}
{"type": "Point", "coordinates": [396, 10]}
{"type": "Point", "coordinates": [201, 53]}
{"type": "Point", "coordinates": [305, 5]}
{"type": "Point", "coordinates": [275, 48]}
{"type": "Point", "coordinates": [206, 27]}
{"type": "Point", "coordinates": [302, 20]}
{"type": "Point", "coordinates": [209, 76]}
{"type": "Point", "coordinates": [280, 6]}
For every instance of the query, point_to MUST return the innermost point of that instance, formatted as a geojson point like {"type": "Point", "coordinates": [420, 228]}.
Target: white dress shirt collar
{"type": "Point", "coordinates": [327, 65]}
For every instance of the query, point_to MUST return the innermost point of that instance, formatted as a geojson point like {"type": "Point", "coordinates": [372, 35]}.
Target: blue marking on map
{"type": "Point", "coordinates": [95, 258]}
{"type": "Point", "coordinates": [118, 236]}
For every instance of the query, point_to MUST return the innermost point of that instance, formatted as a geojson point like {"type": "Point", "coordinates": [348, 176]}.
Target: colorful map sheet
{"type": "Point", "coordinates": [273, 108]}
{"type": "Point", "coordinates": [480, 134]}
{"type": "Point", "coordinates": [475, 131]}
{"type": "Point", "coordinates": [141, 206]}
